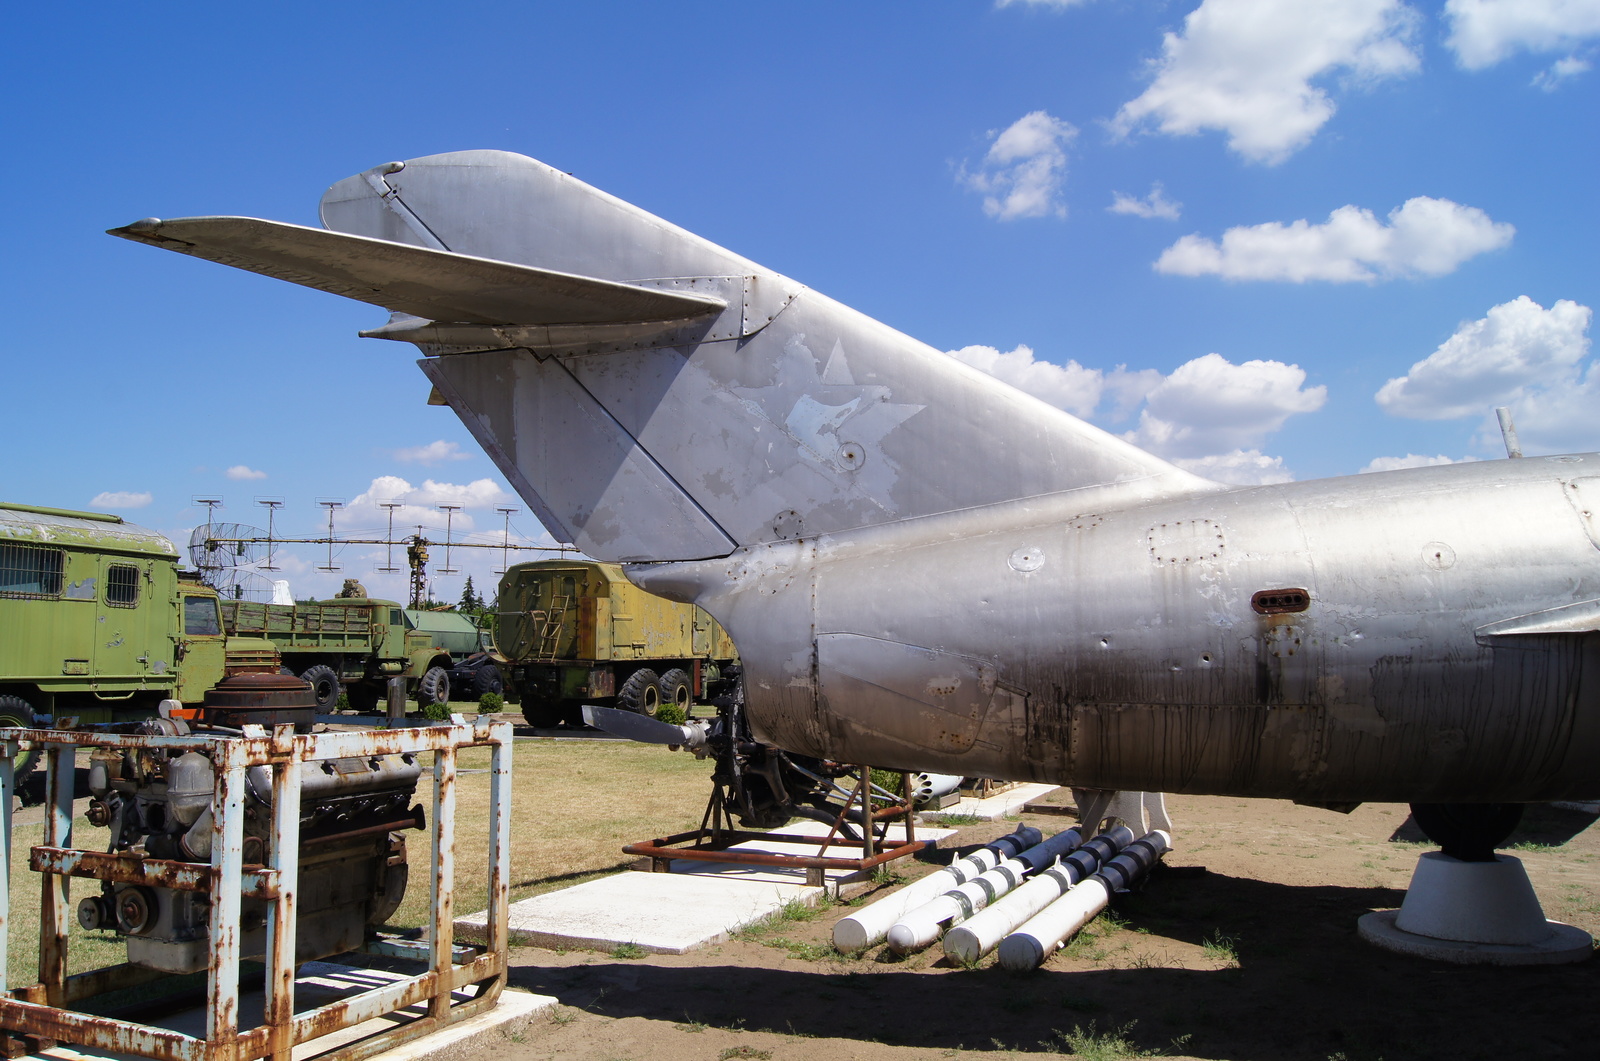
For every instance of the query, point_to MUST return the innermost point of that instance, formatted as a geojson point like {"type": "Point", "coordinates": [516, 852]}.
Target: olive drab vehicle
{"type": "Point", "coordinates": [350, 644]}
{"type": "Point", "coordinates": [572, 632]}
{"type": "Point", "coordinates": [101, 625]}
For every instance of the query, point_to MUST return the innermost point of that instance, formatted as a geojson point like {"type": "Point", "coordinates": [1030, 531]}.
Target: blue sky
{"type": "Point", "coordinates": [1267, 239]}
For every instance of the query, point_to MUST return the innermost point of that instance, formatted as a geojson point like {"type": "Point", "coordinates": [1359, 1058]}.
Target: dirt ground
{"type": "Point", "coordinates": [1243, 946]}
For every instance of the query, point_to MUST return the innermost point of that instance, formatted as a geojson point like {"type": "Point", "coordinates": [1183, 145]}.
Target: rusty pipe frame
{"type": "Point", "coordinates": [37, 1011]}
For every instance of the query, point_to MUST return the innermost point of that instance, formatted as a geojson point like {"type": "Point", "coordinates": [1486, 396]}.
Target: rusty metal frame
{"type": "Point", "coordinates": [38, 1013]}
{"type": "Point", "coordinates": [712, 841]}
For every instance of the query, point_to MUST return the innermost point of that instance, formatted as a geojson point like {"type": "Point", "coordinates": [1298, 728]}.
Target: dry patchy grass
{"type": "Point", "coordinates": [574, 805]}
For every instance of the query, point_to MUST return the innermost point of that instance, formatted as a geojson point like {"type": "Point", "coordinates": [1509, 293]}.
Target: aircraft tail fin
{"type": "Point", "coordinates": [653, 396]}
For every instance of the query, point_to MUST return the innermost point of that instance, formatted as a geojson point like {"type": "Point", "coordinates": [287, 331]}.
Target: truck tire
{"type": "Point", "coordinates": [641, 692]}
{"type": "Point", "coordinates": [677, 689]}
{"type": "Point", "coordinates": [487, 680]}
{"type": "Point", "coordinates": [542, 714]}
{"type": "Point", "coordinates": [324, 682]}
{"type": "Point", "coordinates": [15, 711]}
{"type": "Point", "coordinates": [434, 688]}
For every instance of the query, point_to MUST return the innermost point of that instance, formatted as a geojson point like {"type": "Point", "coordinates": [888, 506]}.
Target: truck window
{"type": "Point", "coordinates": [30, 571]}
{"type": "Point", "coordinates": [394, 616]}
{"type": "Point", "coordinates": [122, 585]}
{"type": "Point", "coordinates": [200, 616]}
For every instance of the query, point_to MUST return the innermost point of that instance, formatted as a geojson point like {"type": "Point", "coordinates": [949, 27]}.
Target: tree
{"type": "Point", "coordinates": [470, 601]}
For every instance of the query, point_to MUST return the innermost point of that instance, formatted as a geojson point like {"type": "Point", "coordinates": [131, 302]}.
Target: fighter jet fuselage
{"type": "Point", "coordinates": [1379, 637]}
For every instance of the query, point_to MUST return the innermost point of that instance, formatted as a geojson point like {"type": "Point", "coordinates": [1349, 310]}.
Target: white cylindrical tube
{"type": "Point", "coordinates": [871, 923]}
{"type": "Point", "coordinates": [920, 927]}
{"type": "Point", "coordinates": [974, 938]}
{"type": "Point", "coordinates": [1038, 938]}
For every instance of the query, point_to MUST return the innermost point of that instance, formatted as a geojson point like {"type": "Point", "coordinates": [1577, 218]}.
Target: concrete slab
{"type": "Point", "coordinates": [665, 913]}
{"type": "Point", "coordinates": [322, 983]}
{"type": "Point", "coordinates": [995, 807]}
{"type": "Point", "coordinates": [695, 905]}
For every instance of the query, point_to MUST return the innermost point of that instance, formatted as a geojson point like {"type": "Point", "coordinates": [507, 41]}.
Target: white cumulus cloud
{"type": "Point", "coordinates": [1246, 67]}
{"type": "Point", "coordinates": [121, 499]}
{"type": "Point", "coordinates": [436, 452]}
{"type": "Point", "coordinates": [1071, 386]}
{"type": "Point", "coordinates": [1411, 460]}
{"type": "Point", "coordinates": [419, 504]}
{"type": "Point", "coordinates": [1484, 32]}
{"type": "Point", "coordinates": [1211, 406]}
{"type": "Point", "coordinates": [1022, 173]}
{"type": "Point", "coordinates": [1534, 361]}
{"type": "Point", "coordinates": [1423, 237]}
{"type": "Point", "coordinates": [1209, 416]}
{"type": "Point", "coordinates": [1561, 71]}
{"type": "Point", "coordinates": [1242, 467]}
{"type": "Point", "coordinates": [244, 472]}
{"type": "Point", "coordinates": [1156, 204]}
{"type": "Point", "coordinates": [1517, 347]}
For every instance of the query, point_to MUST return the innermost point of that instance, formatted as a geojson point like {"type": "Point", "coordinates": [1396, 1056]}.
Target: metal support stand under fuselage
{"type": "Point", "coordinates": [1474, 913]}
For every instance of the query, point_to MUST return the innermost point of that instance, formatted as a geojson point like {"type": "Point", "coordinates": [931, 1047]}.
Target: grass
{"type": "Point", "coordinates": [751, 1052]}
{"type": "Point", "coordinates": [1221, 947]}
{"type": "Point", "coordinates": [575, 786]}
{"type": "Point", "coordinates": [956, 820]}
{"type": "Point", "coordinates": [1089, 1043]}
{"type": "Point", "coordinates": [770, 931]}
{"type": "Point", "coordinates": [628, 951]}
{"type": "Point", "coordinates": [586, 800]}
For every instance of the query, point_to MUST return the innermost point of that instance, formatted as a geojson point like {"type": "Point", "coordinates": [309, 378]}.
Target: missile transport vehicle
{"type": "Point", "coordinates": [575, 632]}
{"type": "Point", "coordinates": [101, 625]}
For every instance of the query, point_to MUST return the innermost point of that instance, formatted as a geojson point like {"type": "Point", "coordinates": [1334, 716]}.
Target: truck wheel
{"type": "Point", "coordinates": [487, 680]}
{"type": "Point", "coordinates": [324, 682]}
{"type": "Point", "coordinates": [677, 690]}
{"type": "Point", "coordinates": [434, 688]}
{"type": "Point", "coordinates": [542, 714]}
{"type": "Point", "coordinates": [15, 711]}
{"type": "Point", "coordinates": [641, 692]}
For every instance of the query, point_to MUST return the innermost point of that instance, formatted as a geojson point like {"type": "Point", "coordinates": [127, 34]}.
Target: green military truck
{"type": "Point", "coordinates": [571, 632]}
{"type": "Point", "coordinates": [353, 644]}
{"type": "Point", "coordinates": [100, 624]}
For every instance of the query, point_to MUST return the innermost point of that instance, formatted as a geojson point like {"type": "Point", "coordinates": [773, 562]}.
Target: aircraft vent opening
{"type": "Point", "coordinates": [1280, 601]}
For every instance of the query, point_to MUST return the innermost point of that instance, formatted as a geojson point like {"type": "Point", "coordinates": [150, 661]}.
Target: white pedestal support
{"type": "Point", "coordinates": [1474, 913]}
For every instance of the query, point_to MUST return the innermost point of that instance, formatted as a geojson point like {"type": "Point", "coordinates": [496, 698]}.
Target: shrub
{"type": "Point", "coordinates": [672, 713]}
{"type": "Point", "coordinates": [491, 702]}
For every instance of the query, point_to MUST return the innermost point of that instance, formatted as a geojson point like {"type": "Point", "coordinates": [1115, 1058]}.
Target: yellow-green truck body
{"type": "Point", "coordinates": [97, 622]}
{"type": "Point", "coordinates": [571, 632]}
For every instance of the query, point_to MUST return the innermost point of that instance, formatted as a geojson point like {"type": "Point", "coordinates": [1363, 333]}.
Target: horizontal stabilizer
{"type": "Point", "coordinates": [432, 284]}
{"type": "Point", "coordinates": [1580, 618]}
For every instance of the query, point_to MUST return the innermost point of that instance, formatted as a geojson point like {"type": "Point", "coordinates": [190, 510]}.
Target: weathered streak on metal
{"type": "Point", "coordinates": [123, 869]}
{"type": "Point", "coordinates": [442, 892]}
{"type": "Point", "coordinates": [55, 913]}
{"type": "Point", "coordinates": [8, 785]}
{"type": "Point", "coordinates": [227, 862]}
{"type": "Point", "coordinates": [283, 859]}
{"type": "Point", "coordinates": [37, 1010]}
{"type": "Point", "coordinates": [500, 848]}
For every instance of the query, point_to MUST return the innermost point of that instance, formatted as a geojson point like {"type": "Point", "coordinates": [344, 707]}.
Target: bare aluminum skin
{"type": "Point", "coordinates": [925, 568]}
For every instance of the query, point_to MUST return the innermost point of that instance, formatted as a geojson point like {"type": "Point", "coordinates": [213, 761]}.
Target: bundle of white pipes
{"type": "Point", "coordinates": [920, 926]}
{"type": "Point", "coordinates": [980, 934]}
{"type": "Point", "coordinates": [871, 923]}
{"type": "Point", "coordinates": [1036, 940]}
